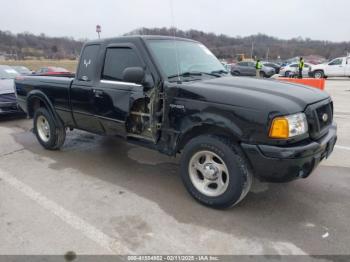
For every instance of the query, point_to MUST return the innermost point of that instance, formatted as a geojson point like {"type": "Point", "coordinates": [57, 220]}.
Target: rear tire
{"type": "Point", "coordinates": [318, 74]}
{"type": "Point", "coordinates": [236, 73]}
{"type": "Point", "coordinates": [215, 171]}
{"type": "Point", "coordinates": [286, 74]}
{"type": "Point", "coordinates": [50, 134]}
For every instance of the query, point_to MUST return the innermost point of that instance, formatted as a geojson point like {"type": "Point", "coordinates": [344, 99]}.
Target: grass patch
{"type": "Point", "coordinates": [34, 65]}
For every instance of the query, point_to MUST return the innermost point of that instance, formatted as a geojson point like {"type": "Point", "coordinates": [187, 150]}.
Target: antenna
{"type": "Point", "coordinates": [174, 35]}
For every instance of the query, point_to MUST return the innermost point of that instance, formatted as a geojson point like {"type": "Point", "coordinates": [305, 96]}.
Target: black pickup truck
{"type": "Point", "coordinates": [173, 95]}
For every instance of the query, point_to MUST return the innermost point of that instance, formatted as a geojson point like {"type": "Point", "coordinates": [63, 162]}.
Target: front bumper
{"type": "Point", "coordinates": [283, 164]}
{"type": "Point", "coordinates": [9, 108]}
{"type": "Point", "coordinates": [8, 104]}
{"type": "Point", "coordinates": [270, 73]}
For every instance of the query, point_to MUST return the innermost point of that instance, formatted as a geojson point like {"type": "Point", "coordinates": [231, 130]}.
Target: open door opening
{"type": "Point", "coordinates": [143, 121]}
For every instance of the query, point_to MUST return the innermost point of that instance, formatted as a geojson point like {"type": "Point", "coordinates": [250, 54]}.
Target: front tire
{"type": "Point", "coordinates": [50, 134]}
{"type": "Point", "coordinates": [215, 172]}
{"type": "Point", "coordinates": [319, 74]}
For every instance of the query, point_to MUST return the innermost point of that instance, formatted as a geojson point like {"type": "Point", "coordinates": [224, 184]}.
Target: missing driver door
{"type": "Point", "coordinates": [123, 108]}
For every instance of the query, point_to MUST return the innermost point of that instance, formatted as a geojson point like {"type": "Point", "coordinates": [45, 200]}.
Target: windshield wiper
{"type": "Point", "coordinates": [219, 72]}
{"type": "Point", "coordinates": [189, 74]}
{"type": "Point", "coordinates": [186, 74]}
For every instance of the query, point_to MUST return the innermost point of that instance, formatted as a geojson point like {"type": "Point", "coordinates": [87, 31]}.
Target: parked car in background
{"type": "Point", "coordinates": [247, 68]}
{"type": "Point", "coordinates": [8, 100]}
{"type": "Point", "coordinates": [338, 67]}
{"type": "Point", "coordinates": [292, 69]}
{"type": "Point", "coordinates": [53, 71]}
{"type": "Point", "coordinates": [22, 70]}
{"type": "Point", "coordinates": [275, 66]}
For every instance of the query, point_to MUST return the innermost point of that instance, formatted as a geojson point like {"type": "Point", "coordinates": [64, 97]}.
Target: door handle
{"type": "Point", "coordinates": [97, 93]}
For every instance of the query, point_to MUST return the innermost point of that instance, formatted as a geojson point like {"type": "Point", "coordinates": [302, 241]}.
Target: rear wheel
{"type": "Point", "coordinates": [319, 74]}
{"type": "Point", "coordinates": [214, 172]}
{"type": "Point", "coordinates": [50, 134]}
{"type": "Point", "coordinates": [236, 73]}
{"type": "Point", "coordinates": [287, 74]}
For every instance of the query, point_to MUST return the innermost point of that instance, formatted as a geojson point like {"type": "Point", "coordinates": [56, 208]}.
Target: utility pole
{"type": "Point", "coordinates": [267, 54]}
{"type": "Point", "coordinates": [98, 31]}
{"type": "Point", "coordinates": [251, 54]}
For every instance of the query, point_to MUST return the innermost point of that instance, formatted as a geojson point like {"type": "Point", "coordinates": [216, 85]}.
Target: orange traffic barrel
{"type": "Point", "coordinates": [313, 82]}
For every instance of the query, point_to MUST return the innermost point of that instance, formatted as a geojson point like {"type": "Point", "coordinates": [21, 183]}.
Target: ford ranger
{"type": "Point", "coordinates": [173, 95]}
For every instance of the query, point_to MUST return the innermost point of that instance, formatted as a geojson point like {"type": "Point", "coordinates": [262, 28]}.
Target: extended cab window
{"type": "Point", "coordinates": [117, 60]}
{"type": "Point", "coordinates": [87, 61]}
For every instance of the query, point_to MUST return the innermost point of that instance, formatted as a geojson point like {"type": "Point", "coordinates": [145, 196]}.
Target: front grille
{"type": "Point", "coordinates": [320, 118]}
{"type": "Point", "coordinates": [324, 115]}
{"type": "Point", "coordinates": [8, 98]}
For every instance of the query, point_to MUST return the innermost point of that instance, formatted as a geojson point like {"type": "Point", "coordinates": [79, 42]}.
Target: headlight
{"type": "Point", "coordinates": [288, 126]}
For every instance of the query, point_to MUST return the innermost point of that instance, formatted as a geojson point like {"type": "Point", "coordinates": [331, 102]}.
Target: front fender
{"type": "Point", "coordinates": [205, 123]}
{"type": "Point", "coordinates": [209, 119]}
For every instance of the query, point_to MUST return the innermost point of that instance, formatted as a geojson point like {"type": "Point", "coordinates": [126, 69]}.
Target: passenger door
{"type": "Point", "coordinates": [82, 96]}
{"type": "Point", "coordinates": [251, 70]}
{"type": "Point", "coordinates": [347, 67]}
{"type": "Point", "coordinates": [306, 70]}
{"type": "Point", "coordinates": [243, 68]}
{"type": "Point", "coordinates": [335, 68]}
{"type": "Point", "coordinates": [112, 95]}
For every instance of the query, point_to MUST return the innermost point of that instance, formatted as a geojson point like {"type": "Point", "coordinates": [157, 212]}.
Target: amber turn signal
{"type": "Point", "coordinates": [279, 128]}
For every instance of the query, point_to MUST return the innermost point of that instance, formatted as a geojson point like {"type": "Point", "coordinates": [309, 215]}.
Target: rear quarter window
{"type": "Point", "coordinates": [87, 63]}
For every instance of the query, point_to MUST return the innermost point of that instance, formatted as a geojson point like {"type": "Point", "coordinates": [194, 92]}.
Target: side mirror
{"type": "Point", "coordinates": [134, 75]}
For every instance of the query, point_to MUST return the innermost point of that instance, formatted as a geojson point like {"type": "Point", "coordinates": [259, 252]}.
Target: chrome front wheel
{"type": "Point", "coordinates": [209, 173]}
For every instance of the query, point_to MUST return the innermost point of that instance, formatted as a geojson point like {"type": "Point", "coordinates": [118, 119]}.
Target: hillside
{"type": "Point", "coordinates": [228, 47]}
{"type": "Point", "coordinates": [29, 46]}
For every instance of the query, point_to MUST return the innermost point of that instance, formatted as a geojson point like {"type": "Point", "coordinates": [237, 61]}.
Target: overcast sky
{"type": "Point", "coordinates": [317, 19]}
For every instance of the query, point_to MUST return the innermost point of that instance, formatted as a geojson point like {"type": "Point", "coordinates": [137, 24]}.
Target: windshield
{"type": "Point", "coordinates": [21, 69]}
{"type": "Point", "coordinates": [7, 73]}
{"type": "Point", "coordinates": [177, 57]}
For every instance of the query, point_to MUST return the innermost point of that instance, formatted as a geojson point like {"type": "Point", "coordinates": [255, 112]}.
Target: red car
{"type": "Point", "coordinates": [53, 71]}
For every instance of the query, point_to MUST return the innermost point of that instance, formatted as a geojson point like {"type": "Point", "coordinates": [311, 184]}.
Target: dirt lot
{"type": "Point", "coordinates": [100, 195]}
{"type": "Point", "coordinates": [36, 64]}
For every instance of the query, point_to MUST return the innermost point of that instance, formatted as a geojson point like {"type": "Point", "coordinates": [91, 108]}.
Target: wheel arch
{"type": "Point", "coordinates": [206, 129]}
{"type": "Point", "coordinates": [37, 99]}
{"type": "Point", "coordinates": [319, 70]}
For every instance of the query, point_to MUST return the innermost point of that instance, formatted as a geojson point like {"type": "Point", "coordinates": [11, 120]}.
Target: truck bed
{"type": "Point", "coordinates": [55, 88]}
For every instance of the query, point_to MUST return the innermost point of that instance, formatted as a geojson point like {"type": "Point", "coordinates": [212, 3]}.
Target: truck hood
{"type": "Point", "coordinates": [268, 95]}
{"type": "Point", "coordinates": [6, 86]}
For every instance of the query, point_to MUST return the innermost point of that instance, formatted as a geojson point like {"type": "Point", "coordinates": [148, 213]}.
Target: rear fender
{"type": "Point", "coordinates": [37, 95]}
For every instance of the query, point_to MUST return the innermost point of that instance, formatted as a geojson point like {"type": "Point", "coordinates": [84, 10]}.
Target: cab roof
{"type": "Point", "coordinates": [137, 38]}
